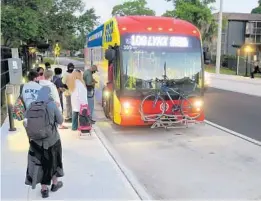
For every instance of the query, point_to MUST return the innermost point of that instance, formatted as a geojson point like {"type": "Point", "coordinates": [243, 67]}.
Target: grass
{"type": "Point", "coordinates": [51, 61]}
{"type": "Point", "coordinates": [226, 71]}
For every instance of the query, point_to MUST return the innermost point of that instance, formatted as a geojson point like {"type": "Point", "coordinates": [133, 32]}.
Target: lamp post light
{"type": "Point", "coordinates": [247, 50]}
{"type": "Point", "coordinates": [10, 102]}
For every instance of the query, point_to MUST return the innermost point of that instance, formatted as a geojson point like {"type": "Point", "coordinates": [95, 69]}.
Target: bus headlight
{"type": "Point", "coordinates": [198, 103]}
{"type": "Point", "coordinates": [126, 107]}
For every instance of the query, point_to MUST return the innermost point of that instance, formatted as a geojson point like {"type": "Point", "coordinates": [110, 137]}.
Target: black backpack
{"type": "Point", "coordinates": [38, 124]}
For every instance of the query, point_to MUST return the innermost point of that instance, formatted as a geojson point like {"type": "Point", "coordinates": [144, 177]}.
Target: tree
{"type": "Point", "coordinates": [204, 2]}
{"type": "Point", "coordinates": [87, 21]}
{"type": "Point", "coordinates": [132, 7]}
{"type": "Point", "coordinates": [85, 24]}
{"type": "Point", "coordinates": [61, 21]}
{"type": "Point", "coordinates": [21, 20]}
{"type": "Point", "coordinates": [36, 21]}
{"type": "Point", "coordinates": [198, 12]}
{"type": "Point", "coordinates": [257, 10]}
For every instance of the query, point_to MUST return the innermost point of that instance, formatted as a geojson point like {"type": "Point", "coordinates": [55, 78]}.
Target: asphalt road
{"type": "Point", "coordinates": [201, 163]}
{"type": "Point", "coordinates": [235, 111]}
{"type": "Point", "coordinates": [65, 61]}
{"type": "Point", "coordinates": [193, 163]}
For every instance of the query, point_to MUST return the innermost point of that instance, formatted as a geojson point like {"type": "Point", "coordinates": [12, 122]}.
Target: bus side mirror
{"type": "Point", "coordinates": [110, 54]}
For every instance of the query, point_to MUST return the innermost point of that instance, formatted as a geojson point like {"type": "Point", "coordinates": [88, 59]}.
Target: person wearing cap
{"type": "Point", "coordinates": [67, 94]}
{"type": "Point", "coordinates": [90, 84]}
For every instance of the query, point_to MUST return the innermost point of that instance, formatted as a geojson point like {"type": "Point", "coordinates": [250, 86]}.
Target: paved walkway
{"type": "Point", "coordinates": [90, 172]}
{"type": "Point", "coordinates": [239, 84]}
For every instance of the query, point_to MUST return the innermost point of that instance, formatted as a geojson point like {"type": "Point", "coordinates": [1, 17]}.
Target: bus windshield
{"type": "Point", "coordinates": [144, 57]}
{"type": "Point", "coordinates": [140, 66]}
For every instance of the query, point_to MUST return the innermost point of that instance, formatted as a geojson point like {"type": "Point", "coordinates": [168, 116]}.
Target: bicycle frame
{"type": "Point", "coordinates": [166, 90]}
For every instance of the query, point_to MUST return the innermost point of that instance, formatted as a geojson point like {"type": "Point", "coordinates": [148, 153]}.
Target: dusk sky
{"type": "Point", "coordinates": [104, 7]}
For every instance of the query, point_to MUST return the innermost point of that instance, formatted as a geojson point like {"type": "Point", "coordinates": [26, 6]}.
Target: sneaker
{"type": "Point", "coordinates": [63, 127]}
{"type": "Point", "coordinates": [45, 193]}
{"type": "Point", "coordinates": [55, 188]}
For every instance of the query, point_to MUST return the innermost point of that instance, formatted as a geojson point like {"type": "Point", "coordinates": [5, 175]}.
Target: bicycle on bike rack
{"type": "Point", "coordinates": [183, 106]}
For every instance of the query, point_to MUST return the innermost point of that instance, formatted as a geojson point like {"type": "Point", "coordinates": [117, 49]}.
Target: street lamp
{"type": "Point", "coordinates": [247, 50]}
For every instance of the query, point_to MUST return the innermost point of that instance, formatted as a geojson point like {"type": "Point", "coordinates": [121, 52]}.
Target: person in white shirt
{"type": "Point", "coordinates": [48, 76]}
{"type": "Point", "coordinates": [78, 93]}
{"type": "Point", "coordinates": [30, 90]}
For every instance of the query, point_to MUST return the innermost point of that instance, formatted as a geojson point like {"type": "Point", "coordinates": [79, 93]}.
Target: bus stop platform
{"type": "Point", "coordinates": [90, 172]}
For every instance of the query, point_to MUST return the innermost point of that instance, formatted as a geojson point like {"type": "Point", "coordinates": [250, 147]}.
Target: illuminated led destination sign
{"type": "Point", "coordinates": [158, 41]}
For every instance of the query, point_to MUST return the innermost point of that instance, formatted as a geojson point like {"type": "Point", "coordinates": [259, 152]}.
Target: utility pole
{"type": "Point", "coordinates": [218, 55]}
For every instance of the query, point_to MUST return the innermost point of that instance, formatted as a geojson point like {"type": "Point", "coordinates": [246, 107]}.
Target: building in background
{"type": "Point", "coordinates": [238, 29]}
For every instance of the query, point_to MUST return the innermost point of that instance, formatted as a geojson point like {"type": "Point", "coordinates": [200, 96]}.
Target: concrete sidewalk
{"type": "Point", "coordinates": [90, 172]}
{"type": "Point", "coordinates": [234, 83]}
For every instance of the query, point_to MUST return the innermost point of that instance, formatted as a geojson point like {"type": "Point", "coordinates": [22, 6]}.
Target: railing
{"type": "Point", "coordinates": [5, 54]}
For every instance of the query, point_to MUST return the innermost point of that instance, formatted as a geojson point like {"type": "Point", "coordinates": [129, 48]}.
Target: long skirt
{"type": "Point", "coordinates": [43, 164]}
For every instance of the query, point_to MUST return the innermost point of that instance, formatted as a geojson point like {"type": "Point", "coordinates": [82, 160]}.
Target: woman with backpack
{"type": "Point", "coordinates": [78, 93]}
{"type": "Point", "coordinates": [45, 152]}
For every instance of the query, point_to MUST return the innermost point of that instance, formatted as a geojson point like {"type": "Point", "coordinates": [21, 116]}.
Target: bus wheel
{"type": "Point", "coordinates": [106, 109]}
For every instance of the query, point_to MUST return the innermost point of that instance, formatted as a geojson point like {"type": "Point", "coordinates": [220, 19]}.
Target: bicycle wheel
{"type": "Point", "coordinates": [152, 107]}
{"type": "Point", "coordinates": [191, 107]}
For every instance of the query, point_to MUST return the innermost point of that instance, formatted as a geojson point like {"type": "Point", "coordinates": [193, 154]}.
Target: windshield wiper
{"type": "Point", "coordinates": [165, 71]}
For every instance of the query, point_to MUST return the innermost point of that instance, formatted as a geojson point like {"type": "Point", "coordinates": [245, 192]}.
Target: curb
{"type": "Point", "coordinates": [239, 135]}
{"type": "Point", "coordinates": [236, 91]}
{"type": "Point", "coordinates": [132, 180]}
{"type": "Point", "coordinates": [235, 79]}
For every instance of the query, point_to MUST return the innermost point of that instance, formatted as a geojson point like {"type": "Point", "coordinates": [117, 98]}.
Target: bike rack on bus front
{"type": "Point", "coordinates": [171, 121]}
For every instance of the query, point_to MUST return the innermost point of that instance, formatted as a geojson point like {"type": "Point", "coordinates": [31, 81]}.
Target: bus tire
{"type": "Point", "coordinates": [106, 109]}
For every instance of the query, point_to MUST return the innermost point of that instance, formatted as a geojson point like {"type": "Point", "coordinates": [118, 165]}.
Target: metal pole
{"type": "Point", "coordinates": [238, 54]}
{"type": "Point", "coordinates": [219, 38]}
{"type": "Point", "coordinates": [246, 64]}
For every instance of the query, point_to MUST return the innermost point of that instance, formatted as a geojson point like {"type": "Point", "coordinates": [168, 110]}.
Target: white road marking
{"type": "Point", "coordinates": [138, 188]}
{"type": "Point", "coordinates": [256, 142]}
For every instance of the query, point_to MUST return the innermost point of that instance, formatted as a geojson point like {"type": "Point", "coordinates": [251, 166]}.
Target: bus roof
{"type": "Point", "coordinates": [145, 24]}
{"type": "Point", "coordinates": [155, 24]}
